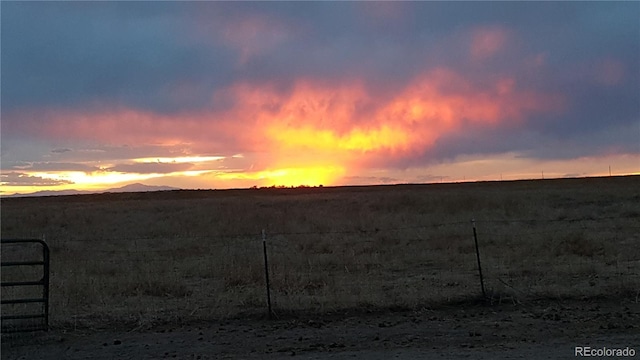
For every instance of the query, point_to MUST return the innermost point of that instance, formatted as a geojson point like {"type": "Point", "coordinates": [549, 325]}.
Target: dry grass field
{"type": "Point", "coordinates": [139, 260]}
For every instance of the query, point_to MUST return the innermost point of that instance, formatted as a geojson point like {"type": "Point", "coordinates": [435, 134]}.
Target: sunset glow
{"type": "Point", "coordinates": [243, 95]}
{"type": "Point", "coordinates": [309, 176]}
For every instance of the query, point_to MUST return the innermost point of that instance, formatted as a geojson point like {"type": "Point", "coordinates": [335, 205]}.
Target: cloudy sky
{"type": "Point", "coordinates": [220, 95]}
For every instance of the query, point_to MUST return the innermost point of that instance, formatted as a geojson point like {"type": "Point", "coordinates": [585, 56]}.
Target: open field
{"type": "Point", "coordinates": [140, 261]}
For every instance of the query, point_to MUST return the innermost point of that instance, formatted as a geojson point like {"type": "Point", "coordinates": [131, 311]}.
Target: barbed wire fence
{"type": "Point", "coordinates": [177, 278]}
{"type": "Point", "coordinates": [563, 258]}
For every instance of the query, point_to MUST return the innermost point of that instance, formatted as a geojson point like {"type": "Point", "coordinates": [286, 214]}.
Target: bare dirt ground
{"type": "Point", "coordinates": [539, 329]}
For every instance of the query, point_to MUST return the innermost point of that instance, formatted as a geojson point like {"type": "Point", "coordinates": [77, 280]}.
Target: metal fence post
{"type": "Point", "coordinates": [266, 270]}
{"type": "Point", "coordinates": [475, 238]}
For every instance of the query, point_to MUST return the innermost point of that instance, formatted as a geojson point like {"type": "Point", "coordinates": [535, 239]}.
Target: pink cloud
{"type": "Point", "coordinates": [487, 41]}
{"type": "Point", "coordinates": [251, 34]}
{"type": "Point", "coordinates": [385, 11]}
{"type": "Point", "coordinates": [609, 72]}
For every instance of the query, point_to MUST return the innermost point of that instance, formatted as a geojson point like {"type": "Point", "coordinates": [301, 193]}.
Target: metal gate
{"type": "Point", "coordinates": [25, 285]}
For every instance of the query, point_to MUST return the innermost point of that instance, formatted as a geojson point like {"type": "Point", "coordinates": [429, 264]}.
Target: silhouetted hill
{"type": "Point", "coordinates": [137, 187]}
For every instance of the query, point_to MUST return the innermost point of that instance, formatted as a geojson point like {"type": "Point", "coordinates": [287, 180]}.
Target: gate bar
{"type": "Point", "coordinates": [44, 282]}
{"type": "Point", "coordinates": [22, 283]}
{"type": "Point", "coordinates": [20, 263]}
{"type": "Point", "coordinates": [22, 301]}
{"type": "Point", "coordinates": [13, 317]}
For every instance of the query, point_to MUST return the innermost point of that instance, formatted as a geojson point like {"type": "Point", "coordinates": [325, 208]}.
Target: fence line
{"type": "Point", "coordinates": [399, 266]}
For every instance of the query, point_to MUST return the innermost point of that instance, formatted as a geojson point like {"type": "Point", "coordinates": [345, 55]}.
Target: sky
{"type": "Point", "coordinates": [202, 95]}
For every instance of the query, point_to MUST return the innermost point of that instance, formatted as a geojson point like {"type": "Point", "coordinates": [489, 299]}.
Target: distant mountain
{"type": "Point", "coordinates": [52, 193]}
{"type": "Point", "coordinates": [137, 187]}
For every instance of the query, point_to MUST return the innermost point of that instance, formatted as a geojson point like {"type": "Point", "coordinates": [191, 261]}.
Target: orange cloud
{"type": "Point", "coordinates": [317, 118]}
{"type": "Point", "coordinates": [315, 132]}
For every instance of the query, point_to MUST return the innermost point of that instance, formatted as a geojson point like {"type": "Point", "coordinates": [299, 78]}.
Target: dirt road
{"type": "Point", "coordinates": [534, 330]}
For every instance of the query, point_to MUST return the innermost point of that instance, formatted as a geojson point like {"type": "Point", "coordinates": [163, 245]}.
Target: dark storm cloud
{"type": "Point", "coordinates": [531, 143]}
{"type": "Point", "coordinates": [68, 54]}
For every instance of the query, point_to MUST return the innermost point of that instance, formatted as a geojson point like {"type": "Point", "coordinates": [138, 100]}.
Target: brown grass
{"type": "Point", "coordinates": [144, 258]}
